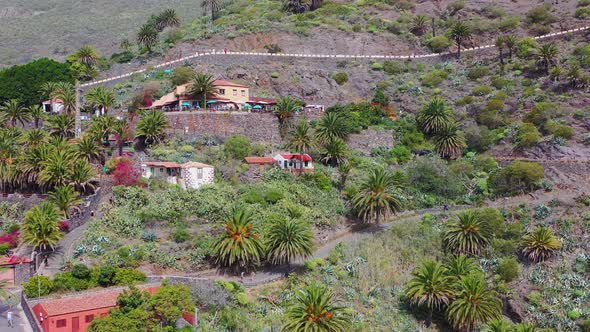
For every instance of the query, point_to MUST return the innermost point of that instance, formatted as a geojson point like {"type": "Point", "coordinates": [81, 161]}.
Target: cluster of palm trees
{"type": "Point", "coordinates": [13, 112]}
{"type": "Point", "coordinates": [437, 120]}
{"type": "Point", "coordinates": [149, 33]}
{"type": "Point", "coordinates": [242, 246]}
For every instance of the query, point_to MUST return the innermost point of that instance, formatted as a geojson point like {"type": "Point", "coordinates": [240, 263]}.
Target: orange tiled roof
{"type": "Point", "coordinates": [260, 160]}
{"type": "Point", "coordinates": [228, 83]}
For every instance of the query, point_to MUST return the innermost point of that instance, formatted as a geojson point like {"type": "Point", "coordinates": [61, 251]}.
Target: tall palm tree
{"type": "Point", "coordinates": [148, 36]}
{"type": "Point", "coordinates": [168, 18]}
{"type": "Point", "coordinates": [81, 176]}
{"type": "Point", "coordinates": [301, 140]}
{"type": "Point", "coordinates": [510, 42]}
{"type": "Point", "coordinates": [331, 126]}
{"type": "Point", "coordinates": [49, 89]}
{"type": "Point", "coordinates": [376, 197]}
{"type": "Point", "coordinates": [540, 244]}
{"type": "Point", "coordinates": [475, 304]}
{"type": "Point", "coordinates": [101, 127]}
{"type": "Point", "coordinates": [344, 171]}
{"type": "Point", "coordinates": [41, 226]}
{"type": "Point", "coordinates": [32, 161]}
{"type": "Point", "coordinates": [61, 125]}
{"type": "Point", "coordinates": [284, 110]}
{"type": "Point", "coordinates": [87, 55]}
{"type": "Point", "coordinates": [460, 32]}
{"type": "Point", "coordinates": [87, 149]}
{"type": "Point", "coordinates": [430, 287]}
{"type": "Point", "coordinates": [101, 98]}
{"type": "Point", "coordinates": [334, 152]}
{"type": "Point", "coordinates": [240, 245]}
{"type": "Point", "coordinates": [9, 151]}
{"type": "Point", "coordinates": [468, 234]}
{"type": "Point", "coordinates": [123, 134]}
{"type": "Point", "coordinates": [289, 239]}
{"type": "Point", "coordinates": [67, 93]}
{"type": "Point", "coordinates": [151, 127]}
{"type": "Point", "coordinates": [500, 44]}
{"type": "Point", "coordinates": [419, 24]}
{"type": "Point", "coordinates": [65, 198]}
{"type": "Point", "coordinates": [314, 310]}
{"type": "Point", "coordinates": [434, 115]}
{"type": "Point", "coordinates": [37, 114]}
{"type": "Point", "coordinates": [56, 170]}
{"type": "Point", "coordinates": [546, 55]}
{"type": "Point", "coordinates": [449, 141]}
{"type": "Point", "coordinates": [202, 87]}
{"type": "Point", "coordinates": [458, 266]}
{"type": "Point", "coordinates": [15, 112]}
{"type": "Point", "coordinates": [211, 8]}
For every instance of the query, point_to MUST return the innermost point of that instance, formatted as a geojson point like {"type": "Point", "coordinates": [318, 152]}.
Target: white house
{"type": "Point", "coordinates": [292, 162]}
{"type": "Point", "coordinates": [53, 106]}
{"type": "Point", "coordinates": [188, 175]}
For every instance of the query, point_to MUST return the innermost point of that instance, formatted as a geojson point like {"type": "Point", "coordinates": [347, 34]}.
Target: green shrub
{"type": "Point", "coordinates": [273, 196]}
{"type": "Point", "coordinates": [540, 15]}
{"type": "Point", "coordinates": [520, 176]}
{"type": "Point", "coordinates": [493, 11]}
{"type": "Point", "coordinates": [400, 154]}
{"type": "Point", "coordinates": [505, 248]}
{"type": "Point", "coordinates": [509, 23]}
{"type": "Point", "coordinates": [481, 90]}
{"type": "Point", "coordinates": [439, 44]}
{"type": "Point", "coordinates": [508, 269]}
{"type": "Point", "coordinates": [393, 67]}
{"type": "Point", "coordinates": [340, 78]}
{"type": "Point", "coordinates": [574, 314]}
{"type": "Point", "coordinates": [237, 147]}
{"type": "Point", "coordinates": [541, 112]}
{"type": "Point", "coordinates": [455, 6]}
{"type": "Point", "coordinates": [106, 273]}
{"type": "Point", "coordinates": [478, 72]}
{"type": "Point", "coordinates": [527, 135]}
{"type": "Point", "coordinates": [583, 3]}
{"type": "Point", "coordinates": [32, 289]}
{"type": "Point", "coordinates": [81, 271]}
{"type": "Point", "coordinates": [127, 276]}
{"type": "Point", "coordinates": [582, 12]}
{"type": "Point", "coordinates": [585, 325]}
{"type": "Point", "coordinates": [526, 47]}
{"type": "Point", "coordinates": [4, 247]}
{"type": "Point", "coordinates": [559, 130]}
{"type": "Point", "coordinates": [253, 197]}
{"type": "Point", "coordinates": [357, 27]}
{"type": "Point", "coordinates": [434, 78]}
{"type": "Point", "coordinates": [181, 235]}
{"type": "Point", "coordinates": [242, 299]}
{"type": "Point", "coordinates": [376, 66]}
{"type": "Point", "coordinates": [67, 282]}
{"type": "Point", "coordinates": [182, 75]}
{"type": "Point", "coordinates": [500, 82]}
{"type": "Point", "coordinates": [465, 101]}
{"type": "Point", "coordinates": [275, 74]}
{"type": "Point", "coordinates": [535, 298]}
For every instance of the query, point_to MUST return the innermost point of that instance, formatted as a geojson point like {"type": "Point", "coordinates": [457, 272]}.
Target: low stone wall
{"type": "Point", "coordinates": [28, 310]}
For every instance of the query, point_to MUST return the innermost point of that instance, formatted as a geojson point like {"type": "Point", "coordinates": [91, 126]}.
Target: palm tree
{"type": "Point", "coordinates": [547, 54]}
{"type": "Point", "coordinates": [296, 6]}
{"type": "Point", "coordinates": [314, 310]}
{"type": "Point", "coordinates": [67, 93]}
{"type": "Point", "coordinates": [524, 327]}
{"type": "Point", "coordinates": [87, 55]}
{"type": "Point", "coordinates": [334, 152]}
{"type": "Point", "coordinates": [460, 32]}
{"type": "Point", "coordinates": [37, 113]}
{"type": "Point", "coordinates": [500, 44]}
{"type": "Point", "coordinates": [289, 239]}
{"type": "Point", "coordinates": [34, 137]}
{"type": "Point", "coordinates": [211, 8]}
{"type": "Point", "coordinates": [168, 18]}
{"type": "Point", "coordinates": [240, 245]}
{"type": "Point", "coordinates": [497, 325]}
{"type": "Point", "coordinates": [449, 141]}
{"type": "Point", "coordinates": [41, 226]}
{"type": "Point", "coordinates": [284, 110]}
{"type": "Point", "coordinates": [510, 42]}
{"type": "Point", "coordinates": [202, 86]}
{"type": "Point", "coordinates": [123, 134]}
{"type": "Point", "coordinates": [15, 112]}
{"type": "Point", "coordinates": [468, 234]}
{"type": "Point", "coordinates": [87, 149]}
{"type": "Point", "coordinates": [344, 170]}
{"type": "Point", "coordinates": [458, 266]}
{"type": "Point", "coordinates": [301, 140]}
{"type": "Point", "coordinates": [376, 199]}
{"type": "Point", "coordinates": [430, 287]}
{"type": "Point", "coordinates": [474, 305]}
{"type": "Point", "coordinates": [49, 89]}
{"type": "Point", "coordinates": [151, 127]}
{"type": "Point", "coordinates": [419, 24]}
{"type": "Point", "coordinates": [61, 125]}
{"type": "Point", "coordinates": [315, 4]}
{"type": "Point", "coordinates": [101, 98]}
{"type": "Point", "coordinates": [331, 126]}
{"type": "Point", "coordinates": [148, 36]}
{"type": "Point", "coordinates": [101, 127]}
{"type": "Point", "coordinates": [81, 176]}
{"type": "Point", "coordinates": [540, 244]}
{"type": "Point", "coordinates": [435, 115]}
{"type": "Point", "coordinates": [32, 160]}
{"type": "Point", "coordinates": [65, 199]}
{"type": "Point", "coordinates": [56, 170]}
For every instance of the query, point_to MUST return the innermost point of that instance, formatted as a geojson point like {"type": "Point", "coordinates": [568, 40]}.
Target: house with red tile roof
{"type": "Point", "coordinates": [75, 312]}
{"type": "Point", "coordinates": [261, 162]}
{"type": "Point", "coordinates": [188, 175]}
{"type": "Point", "coordinates": [292, 162]}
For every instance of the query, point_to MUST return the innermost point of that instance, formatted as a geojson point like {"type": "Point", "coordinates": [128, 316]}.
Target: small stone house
{"type": "Point", "coordinates": [188, 175]}
{"type": "Point", "coordinates": [292, 162]}
{"type": "Point", "coordinates": [261, 162]}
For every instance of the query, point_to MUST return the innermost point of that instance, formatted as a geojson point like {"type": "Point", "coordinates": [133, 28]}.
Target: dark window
{"type": "Point", "coordinates": [89, 318]}
{"type": "Point", "coordinates": [222, 91]}
{"type": "Point", "coordinates": [306, 163]}
{"type": "Point", "coordinates": [61, 323]}
{"type": "Point", "coordinates": [153, 171]}
{"type": "Point", "coordinates": [286, 163]}
{"type": "Point", "coordinates": [243, 93]}
{"type": "Point", "coordinates": [235, 92]}
{"type": "Point", "coordinates": [161, 170]}
{"type": "Point", "coordinates": [199, 173]}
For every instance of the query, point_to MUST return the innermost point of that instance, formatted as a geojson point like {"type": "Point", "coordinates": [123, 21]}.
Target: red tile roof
{"type": "Point", "coordinates": [191, 164]}
{"type": "Point", "coordinates": [13, 260]}
{"type": "Point", "coordinates": [165, 164]}
{"type": "Point", "coordinates": [306, 157]}
{"type": "Point", "coordinates": [228, 83]}
{"type": "Point", "coordinates": [85, 301]}
{"type": "Point", "coordinates": [260, 160]}
{"type": "Point", "coordinates": [259, 100]}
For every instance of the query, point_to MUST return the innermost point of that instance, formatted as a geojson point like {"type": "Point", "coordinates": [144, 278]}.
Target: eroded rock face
{"type": "Point", "coordinates": [12, 12]}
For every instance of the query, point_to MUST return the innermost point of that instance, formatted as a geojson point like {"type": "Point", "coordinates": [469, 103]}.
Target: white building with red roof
{"type": "Point", "coordinates": [188, 175]}
{"type": "Point", "coordinates": [292, 162]}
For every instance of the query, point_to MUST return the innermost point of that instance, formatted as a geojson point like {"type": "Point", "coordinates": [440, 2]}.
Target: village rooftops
{"type": "Point", "coordinates": [169, 164]}
{"type": "Point", "coordinates": [306, 157]}
{"type": "Point", "coordinates": [260, 160]}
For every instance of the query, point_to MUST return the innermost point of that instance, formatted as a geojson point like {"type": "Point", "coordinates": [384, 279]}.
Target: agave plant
{"type": "Point", "coordinates": [314, 310]}
{"type": "Point", "coordinates": [540, 244]}
{"type": "Point", "coordinates": [430, 287]}
{"type": "Point", "coordinates": [467, 235]}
